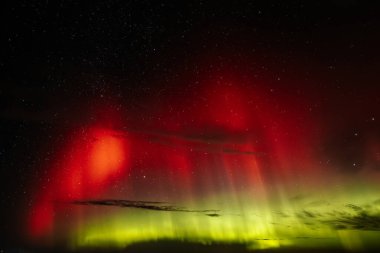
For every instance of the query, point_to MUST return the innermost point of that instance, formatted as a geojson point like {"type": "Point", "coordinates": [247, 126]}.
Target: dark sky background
{"type": "Point", "coordinates": [61, 59]}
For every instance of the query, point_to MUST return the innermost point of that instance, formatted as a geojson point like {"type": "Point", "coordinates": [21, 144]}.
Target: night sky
{"type": "Point", "coordinates": [253, 125]}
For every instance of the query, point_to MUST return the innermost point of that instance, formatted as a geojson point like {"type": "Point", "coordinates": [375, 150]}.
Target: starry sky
{"type": "Point", "coordinates": [252, 123]}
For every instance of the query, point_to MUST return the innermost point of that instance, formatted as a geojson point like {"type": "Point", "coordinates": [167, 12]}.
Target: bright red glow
{"type": "Point", "coordinates": [210, 136]}
{"type": "Point", "coordinates": [91, 160]}
{"type": "Point", "coordinates": [107, 156]}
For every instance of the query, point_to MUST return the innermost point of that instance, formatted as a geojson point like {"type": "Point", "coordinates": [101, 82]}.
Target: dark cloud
{"type": "Point", "coordinates": [362, 220]}
{"type": "Point", "coordinates": [353, 217]}
{"type": "Point", "coordinates": [148, 205]}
